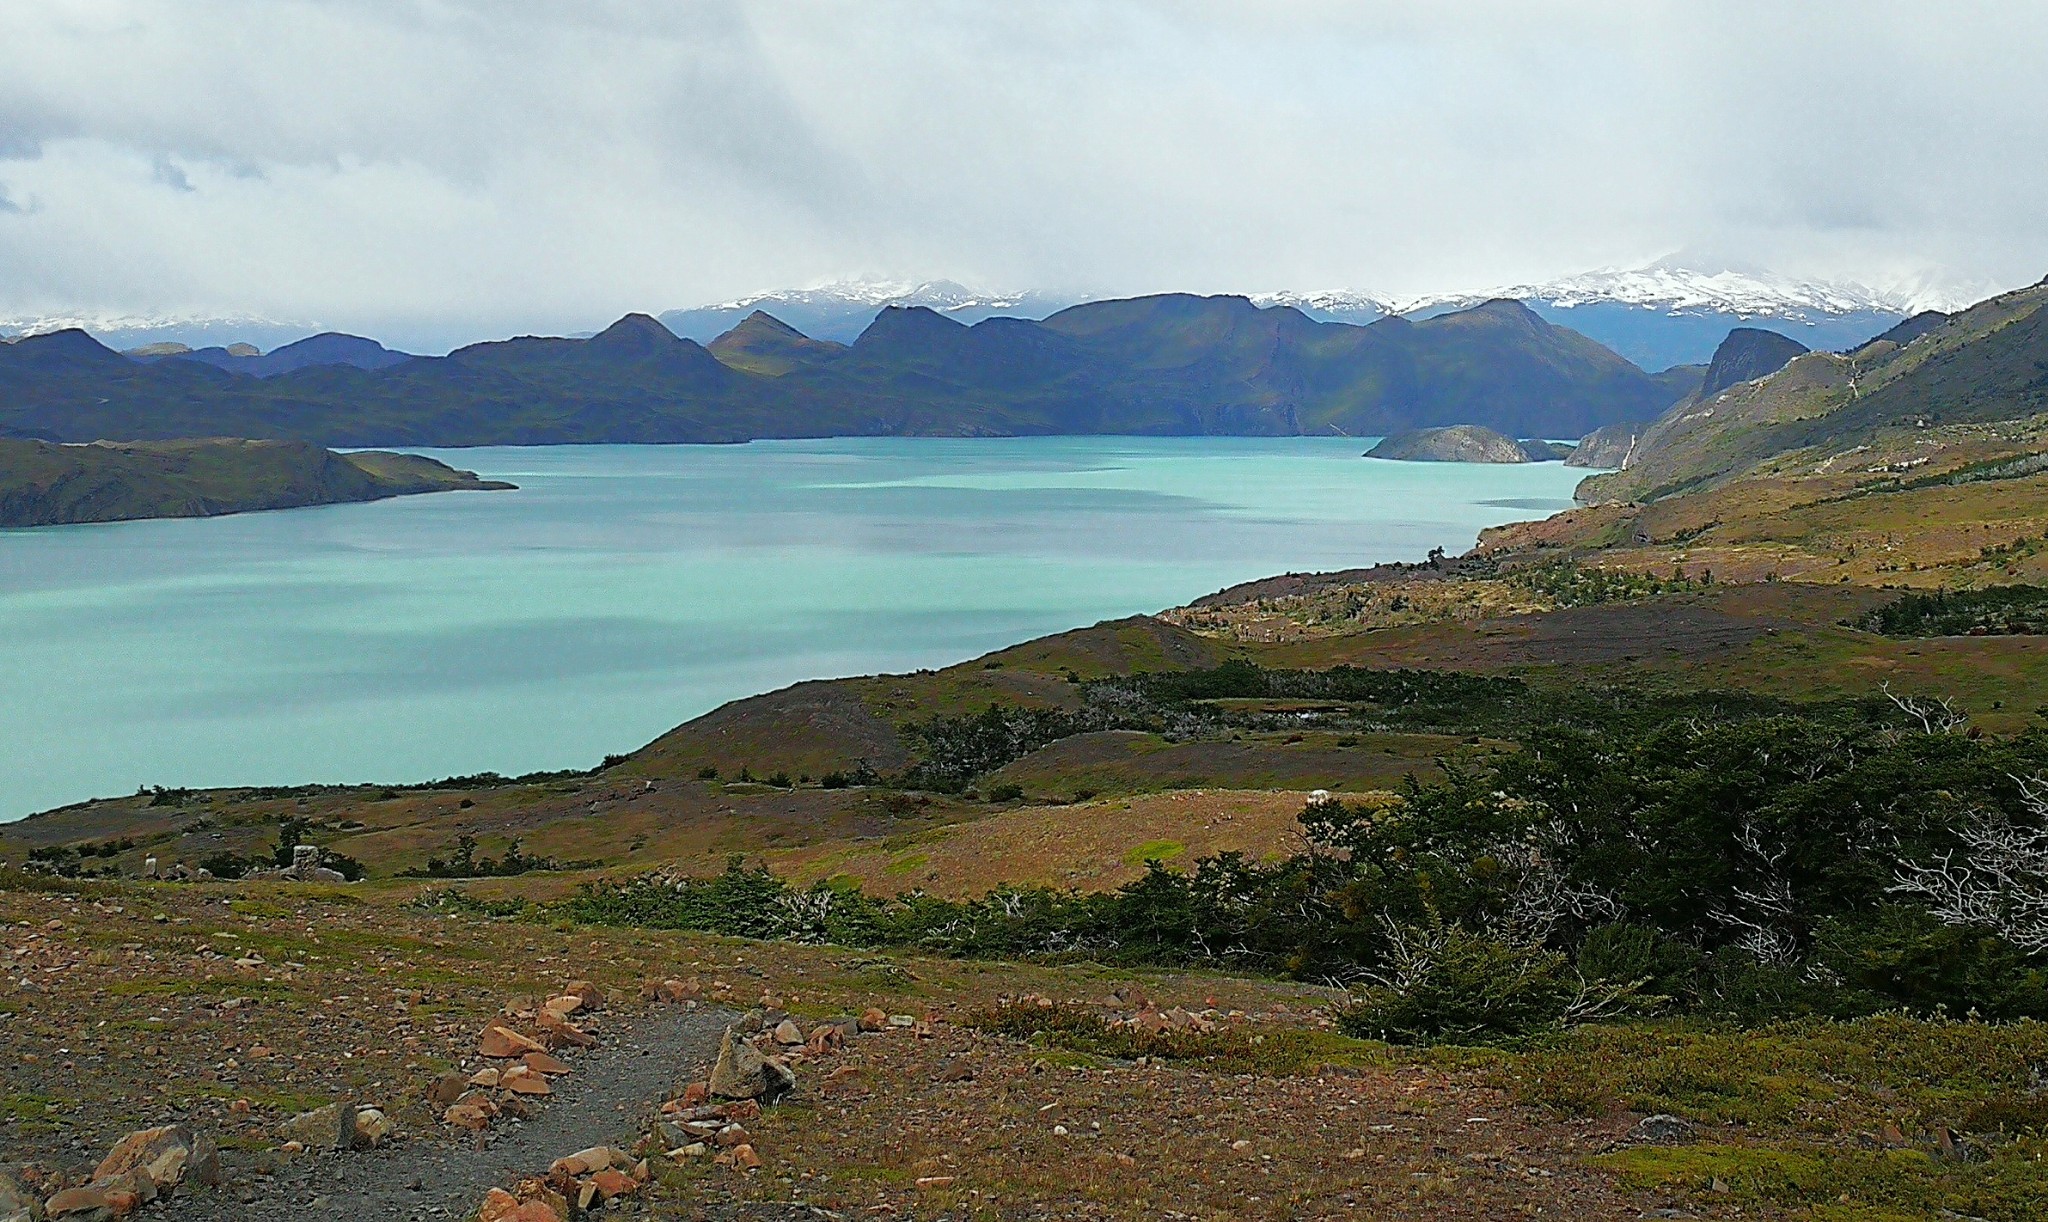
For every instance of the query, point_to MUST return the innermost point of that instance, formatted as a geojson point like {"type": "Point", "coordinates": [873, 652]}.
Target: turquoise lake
{"type": "Point", "coordinates": [624, 589]}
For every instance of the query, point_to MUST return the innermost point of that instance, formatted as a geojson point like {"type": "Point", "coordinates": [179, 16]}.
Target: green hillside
{"type": "Point", "coordinates": [45, 484]}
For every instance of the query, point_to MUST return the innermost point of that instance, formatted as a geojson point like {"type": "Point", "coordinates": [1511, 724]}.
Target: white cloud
{"type": "Point", "coordinates": [449, 168]}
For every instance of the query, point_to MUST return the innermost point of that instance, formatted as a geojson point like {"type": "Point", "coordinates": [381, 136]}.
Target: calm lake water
{"type": "Point", "coordinates": [624, 589]}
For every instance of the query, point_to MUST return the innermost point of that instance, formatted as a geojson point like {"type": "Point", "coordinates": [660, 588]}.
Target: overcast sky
{"type": "Point", "coordinates": [407, 167]}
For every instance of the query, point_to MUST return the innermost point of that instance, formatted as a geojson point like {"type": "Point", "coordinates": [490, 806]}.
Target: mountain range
{"type": "Point", "coordinates": [1169, 364]}
{"type": "Point", "coordinates": [1657, 316]}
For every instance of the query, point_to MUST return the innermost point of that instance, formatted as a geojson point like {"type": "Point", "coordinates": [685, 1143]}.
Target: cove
{"type": "Point", "coordinates": [625, 589]}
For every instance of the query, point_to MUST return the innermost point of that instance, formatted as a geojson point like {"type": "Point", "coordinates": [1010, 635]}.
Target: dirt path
{"type": "Point", "coordinates": [607, 1101]}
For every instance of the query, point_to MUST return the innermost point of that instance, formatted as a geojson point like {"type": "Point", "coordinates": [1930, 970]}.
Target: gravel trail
{"type": "Point", "coordinates": [606, 1101]}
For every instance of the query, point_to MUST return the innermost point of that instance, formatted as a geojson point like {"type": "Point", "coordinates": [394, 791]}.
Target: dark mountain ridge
{"type": "Point", "coordinates": [1171, 364]}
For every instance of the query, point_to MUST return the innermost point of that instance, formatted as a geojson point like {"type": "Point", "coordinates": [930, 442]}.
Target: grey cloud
{"type": "Point", "coordinates": [524, 165]}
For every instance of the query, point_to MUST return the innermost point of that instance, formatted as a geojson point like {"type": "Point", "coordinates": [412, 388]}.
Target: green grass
{"type": "Point", "coordinates": [1154, 850]}
{"type": "Point", "coordinates": [1815, 1076]}
{"type": "Point", "coordinates": [1823, 1182]}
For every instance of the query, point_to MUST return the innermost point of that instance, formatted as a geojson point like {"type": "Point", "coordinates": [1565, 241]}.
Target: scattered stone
{"type": "Point", "coordinates": [788, 1034]}
{"type": "Point", "coordinates": [589, 994]}
{"type": "Point", "coordinates": [373, 1128]}
{"type": "Point", "coordinates": [563, 1006]}
{"type": "Point", "coordinates": [744, 1158]}
{"type": "Point", "coordinates": [472, 1111]}
{"type": "Point", "coordinates": [500, 1042]}
{"type": "Point", "coordinates": [902, 1020]}
{"type": "Point", "coordinates": [498, 1205]}
{"type": "Point", "coordinates": [167, 1156]}
{"type": "Point", "coordinates": [79, 1205]}
{"type": "Point", "coordinates": [545, 1063]}
{"type": "Point", "coordinates": [324, 1128]}
{"type": "Point", "coordinates": [583, 1162]}
{"type": "Point", "coordinates": [560, 1031]}
{"type": "Point", "coordinates": [612, 1183]}
{"type": "Point", "coordinates": [934, 1181]}
{"type": "Point", "coordinates": [873, 1020]}
{"type": "Point", "coordinates": [1663, 1129]}
{"type": "Point", "coordinates": [17, 1203]}
{"type": "Point", "coordinates": [486, 1077]}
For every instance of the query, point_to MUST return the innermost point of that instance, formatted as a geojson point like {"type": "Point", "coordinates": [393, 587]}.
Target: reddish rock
{"type": "Point", "coordinates": [744, 1158]}
{"type": "Point", "coordinates": [79, 1205]}
{"type": "Point", "coordinates": [591, 996]}
{"type": "Point", "coordinates": [561, 1032]}
{"type": "Point", "coordinates": [563, 1006]}
{"type": "Point", "coordinates": [498, 1205]}
{"type": "Point", "coordinates": [529, 1084]}
{"type": "Point", "coordinates": [445, 1089]}
{"type": "Point", "coordinates": [612, 1183]}
{"type": "Point", "coordinates": [503, 1043]}
{"type": "Point", "coordinates": [168, 1156]}
{"type": "Point", "coordinates": [535, 1211]}
{"type": "Point", "coordinates": [546, 1062]}
{"type": "Point", "coordinates": [788, 1034]}
{"type": "Point", "coordinates": [696, 1093]}
{"type": "Point", "coordinates": [873, 1020]}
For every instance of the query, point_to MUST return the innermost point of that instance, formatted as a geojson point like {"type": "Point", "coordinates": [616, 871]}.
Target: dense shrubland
{"type": "Point", "coordinates": [1999, 611]}
{"type": "Point", "coordinates": [1722, 855]}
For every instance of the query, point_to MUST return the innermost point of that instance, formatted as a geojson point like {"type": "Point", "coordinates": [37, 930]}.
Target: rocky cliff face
{"type": "Point", "coordinates": [1610, 446]}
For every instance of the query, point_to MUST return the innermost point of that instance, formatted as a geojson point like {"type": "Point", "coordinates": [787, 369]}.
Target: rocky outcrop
{"type": "Point", "coordinates": [1462, 443]}
{"type": "Point", "coordinates": [1610, 447]}
{"type": "Point", "coordinates": [1747, 354]}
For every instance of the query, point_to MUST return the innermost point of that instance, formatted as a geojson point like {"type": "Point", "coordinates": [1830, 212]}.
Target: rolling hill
{"type": "Point", "coordinates": [43, 484]}
{"type": "Point", "coordinates": [1170, 364]}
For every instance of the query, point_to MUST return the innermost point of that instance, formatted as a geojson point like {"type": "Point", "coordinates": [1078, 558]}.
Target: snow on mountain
{"type": "Point", "coordinates": [137, 330]}
{"type": "Point", "coordinates": [1679, 289]}
{"type": "Point", "coordinates": [842, 310]}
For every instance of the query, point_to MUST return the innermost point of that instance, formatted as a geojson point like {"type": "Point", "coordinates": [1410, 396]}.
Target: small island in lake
{"type": "Point", "coordinates": [1464, 443]}
{"type": "Point", "coordinates": [44, 483]}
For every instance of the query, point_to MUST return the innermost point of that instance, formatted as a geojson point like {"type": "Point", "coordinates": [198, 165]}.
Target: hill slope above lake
{"type": "Point", "coordinates": [43, 484]}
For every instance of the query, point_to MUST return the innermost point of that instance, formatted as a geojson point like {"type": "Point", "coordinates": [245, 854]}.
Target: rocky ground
{"type": "Point", "coordinates": [233, 1009]}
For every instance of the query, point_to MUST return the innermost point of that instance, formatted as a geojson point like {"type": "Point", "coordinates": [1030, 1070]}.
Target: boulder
{"type": "Point", "coordinates": [591, 996]}
{"type": "Point", "coordinates": [741, 1072]}
{"type": "Point", "coordinates": [873, 1020]}
{"type": "Point", "coordinates": [502, 1043]}
{"type": "Point", "coordinates": [17, 1202]}
{"type": "Point", "coordinates": [79, 1205]}
{"type": "Point", "coordinates": [373, 1128]}
{"type": "Point", "coordinates": [788, 1034]}
{"type": "Point", "coordinates": [324, 1128]}
{"type": "Point", "coordinates": [498, 1205]}
{"type": "Point", "coordinates": [168, 1156]}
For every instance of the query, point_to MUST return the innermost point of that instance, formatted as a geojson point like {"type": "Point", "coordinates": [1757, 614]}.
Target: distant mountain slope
{"type": "Point", "coordinates": [42, 484]}
{"type": "Point", "coordinates": [764, 344]}
{"type": "Point", "coordinates": [1171, 364]}
{"type": "Point", "coordinates": [840, 312]}
{"type": "Point", "coordinates": [1747, 354]}
{"type": "Point", "coordinates": [328, 348]}
{"type": "Point", "coordinates": [1986, 364]}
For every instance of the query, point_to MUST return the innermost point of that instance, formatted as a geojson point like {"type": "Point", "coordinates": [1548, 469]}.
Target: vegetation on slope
{"type": "Point", "coordinates": [1172, 364]}
{"type": "Point", "coordinates": [43, 484]}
